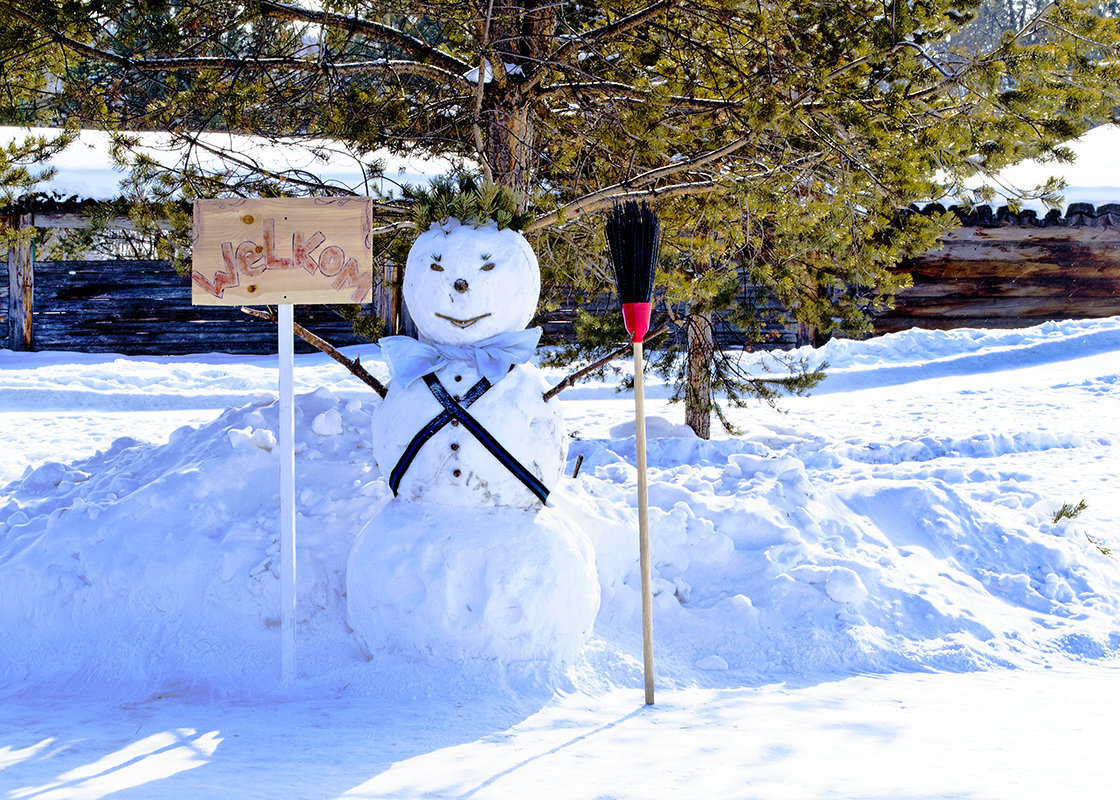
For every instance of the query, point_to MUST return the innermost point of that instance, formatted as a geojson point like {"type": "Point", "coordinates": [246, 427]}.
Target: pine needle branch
{"type": "Point", "coordinates": [413, 45]}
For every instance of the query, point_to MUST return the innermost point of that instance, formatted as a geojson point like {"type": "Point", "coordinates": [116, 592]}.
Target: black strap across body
{"type": "Point", "coordinates": [455, 409]}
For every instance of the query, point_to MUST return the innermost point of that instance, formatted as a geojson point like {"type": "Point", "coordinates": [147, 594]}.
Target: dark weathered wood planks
{"type": "Point", "coordinates": [1013, 275]}
{"type": "Point", "coordinates": [999, 270]}
{"type": "Point", "coordinates": [144, 307]}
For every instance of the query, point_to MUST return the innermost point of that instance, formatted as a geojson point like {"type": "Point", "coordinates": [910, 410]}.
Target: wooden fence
{"type": "Point", "coordinates": [998, 270]}
{"type": "Point", "coordinates": [1002, 270]}
{"type": "Point", "coordinates": [144, 307]}
{"type": "Point", "coordinates": [130, 307]}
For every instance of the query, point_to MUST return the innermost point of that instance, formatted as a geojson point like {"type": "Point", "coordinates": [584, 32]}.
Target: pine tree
{"type": "Point", "coordinates": [782, 141]}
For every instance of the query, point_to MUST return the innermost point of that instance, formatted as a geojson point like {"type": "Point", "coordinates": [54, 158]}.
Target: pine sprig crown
{"type": "Point", "coordinates": [465, 198]}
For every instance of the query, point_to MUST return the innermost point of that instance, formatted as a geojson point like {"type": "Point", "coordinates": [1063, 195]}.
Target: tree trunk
{"type": "Point", "coordinates": [521, 35]}
{"type": "Point", "coordinates": [509, 145]}
{"type": "Point", "coordinates": [700, 337]}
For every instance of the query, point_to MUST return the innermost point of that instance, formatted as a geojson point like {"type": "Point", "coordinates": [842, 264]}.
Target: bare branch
{"type": "Point", "coordinates": [578, 375]}
{"type": "Point", "coordinates": [292, 64]}
{"type": "Point", "coordinates": [1041, 18]}
{"type": "Point", "coordinates": [696, 161]}
{"type": "Point", "coordinates": [412, 45]}
{"type": "Point", "coordinates": [352, 364]}
{"type": "Point", "coordinates": [403, 225]}
{"type": "Point", "coordinates": [591, 37]}
{"type": "Point", "coordinates": [633, 187]}
{"type": "Point", "coordinates": [240, 160]}
{"type": "Point", "coordinates": [597, 201]}
{"type": "Point", "coordinates": [627, 93]}
{"type": "Point", "coordinates": [287, 176]}
{"type": "Point", "coordinates": [59, 38]}
{"type": "Point", "coordinates": [924, 54]}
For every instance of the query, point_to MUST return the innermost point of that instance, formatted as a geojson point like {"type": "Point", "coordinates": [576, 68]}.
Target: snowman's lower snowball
{"type": "Point", "coordinates": [434, 581]}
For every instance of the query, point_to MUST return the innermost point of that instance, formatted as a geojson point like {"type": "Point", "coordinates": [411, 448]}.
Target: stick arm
{"type": "Point", "coordinates": [574, 377]}
{"type": "Point", "coordinates": [352, 364]}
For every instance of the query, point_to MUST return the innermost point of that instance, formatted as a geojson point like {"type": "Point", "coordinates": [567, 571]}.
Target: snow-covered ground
{"type": "Point", "coordinates": [863, 595]}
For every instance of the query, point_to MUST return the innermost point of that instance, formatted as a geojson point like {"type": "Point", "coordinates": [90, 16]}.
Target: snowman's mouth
{"type": "Point", "coordinates": [462, 323]}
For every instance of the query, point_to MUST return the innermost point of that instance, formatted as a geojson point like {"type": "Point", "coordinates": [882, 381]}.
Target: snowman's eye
{"type": "Point", "coordinates": [437, 267]}
{"type": "Point", "coordinates": [489, 265]}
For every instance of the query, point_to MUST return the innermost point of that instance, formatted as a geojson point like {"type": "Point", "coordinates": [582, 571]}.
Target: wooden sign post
{"type": "Point", "coordinates": [285, 251]}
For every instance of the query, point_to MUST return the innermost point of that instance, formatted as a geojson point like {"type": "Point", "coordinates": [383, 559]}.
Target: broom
{"type": "Point", "coordinates": [634, 237]}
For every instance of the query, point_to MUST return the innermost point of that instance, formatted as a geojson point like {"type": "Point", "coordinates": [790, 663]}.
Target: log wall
{"type": "Point", "coordinates": [999, 270]}
{"type": "Point", "coordinates": [144, 307]}
{"type": "Point", "coordinates": [1014, 271]}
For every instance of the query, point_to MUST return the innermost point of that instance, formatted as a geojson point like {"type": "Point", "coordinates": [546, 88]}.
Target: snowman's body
{"type": "Point", "coordinates": [453, 467]}
{"type": "Point", "coordinates": [464, 562]}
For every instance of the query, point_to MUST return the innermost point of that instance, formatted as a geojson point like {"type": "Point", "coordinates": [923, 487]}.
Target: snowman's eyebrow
{"type": "Point", "coordinates": [485, 256]}
{"type": "Point", "coordinates": [437, 256]}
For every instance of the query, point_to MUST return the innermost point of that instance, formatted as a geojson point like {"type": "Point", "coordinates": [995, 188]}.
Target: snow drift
{"type": "Point", "coordinates": [906, 528]}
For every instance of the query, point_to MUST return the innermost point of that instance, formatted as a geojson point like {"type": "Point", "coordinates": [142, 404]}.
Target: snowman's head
{"type": "Point", "coordinates": [465, 284]}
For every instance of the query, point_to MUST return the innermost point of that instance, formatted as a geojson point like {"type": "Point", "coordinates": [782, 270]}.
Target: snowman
{"type": "Point", "coordinates": [469, 560]}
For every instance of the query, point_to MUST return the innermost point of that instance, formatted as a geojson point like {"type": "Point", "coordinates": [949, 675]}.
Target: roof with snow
{"type": "Point", "coordinates": [1077, 215]}
{"type": "Point", "coordinates": [1093, 177]}
{"type": "Point", "coordinates": [87, 170]}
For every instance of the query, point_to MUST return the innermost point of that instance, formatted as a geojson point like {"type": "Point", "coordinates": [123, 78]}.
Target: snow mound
{"type": "Point", "coordinates": [157, 564]}
{"type": "Point", "coordinates": [907, 528]}
{"type": "Point", "coordinates": [919, 354]}
{"type": "Point", "coordinates": [777, 568]}
{"type": "Point", "coordinates": [656, 428]}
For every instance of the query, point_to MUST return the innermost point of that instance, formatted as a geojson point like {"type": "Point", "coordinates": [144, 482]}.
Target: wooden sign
{"type": "Point", "coordinates": [290, 250]}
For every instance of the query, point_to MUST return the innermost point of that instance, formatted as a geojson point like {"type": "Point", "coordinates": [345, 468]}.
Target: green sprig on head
{"type": "Point", "coordinates": [465, 198]}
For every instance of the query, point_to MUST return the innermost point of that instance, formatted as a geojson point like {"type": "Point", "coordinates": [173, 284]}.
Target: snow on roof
{"type": "Point", "coordinates": [1094, 177]}
{"type": "Point", "coordinates": [87, 170]}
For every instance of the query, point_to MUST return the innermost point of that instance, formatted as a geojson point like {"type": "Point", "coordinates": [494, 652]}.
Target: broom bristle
{"type": "Point", "coordinates": [634, 236]}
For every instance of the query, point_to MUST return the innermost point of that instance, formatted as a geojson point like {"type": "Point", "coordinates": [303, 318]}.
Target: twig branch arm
{"type": "Point", "coordinates": [579, 373]}
{"type": "Point", "coordinates": [352, 364]}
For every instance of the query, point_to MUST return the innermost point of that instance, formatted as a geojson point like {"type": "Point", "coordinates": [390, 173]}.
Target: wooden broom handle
{"type": "Point", "coordinates": [643, 521]}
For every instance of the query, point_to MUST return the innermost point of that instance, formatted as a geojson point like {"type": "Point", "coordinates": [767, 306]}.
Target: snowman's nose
{"type": "Point", "coordinates": [460, 285]}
